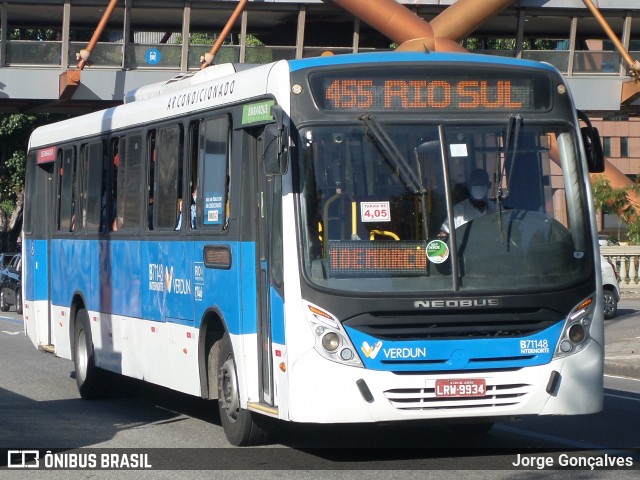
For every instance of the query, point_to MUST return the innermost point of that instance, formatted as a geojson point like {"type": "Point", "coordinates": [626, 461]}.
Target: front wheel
{"type": "Point", "coordinates": [90, 379]}
{"type": "Point", "coordinates": [241, 427]}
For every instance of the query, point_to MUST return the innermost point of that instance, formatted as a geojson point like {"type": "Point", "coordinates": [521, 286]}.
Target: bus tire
{"type": "Point", "coordinates": [89, 378]}
{"type": "Point", "coordinates": [241, 427]}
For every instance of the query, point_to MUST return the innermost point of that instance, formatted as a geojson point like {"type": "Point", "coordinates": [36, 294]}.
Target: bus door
{"type": "Point", "coordinates": [39, 197]}
{"type": "Point", "coordinates": [270, 299]}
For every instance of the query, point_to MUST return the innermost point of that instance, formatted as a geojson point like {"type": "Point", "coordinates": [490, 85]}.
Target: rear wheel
{"type": "Point", "coordinates": [241, 427]}
{"type": "Point", "coordinates": [90, 379]}
{"type": "Point", "coordinates": [610, 303]}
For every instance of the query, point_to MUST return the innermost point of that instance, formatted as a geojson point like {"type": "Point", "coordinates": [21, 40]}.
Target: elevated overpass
{"type": "Point", "coordinates": [142, 44]}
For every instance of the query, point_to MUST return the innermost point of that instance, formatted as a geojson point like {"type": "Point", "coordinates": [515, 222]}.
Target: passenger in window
{"type": "Point", "coordinates": [179, 218]}
{"type": "Point", "coordinates": [473, 207]}
{"type": "Point", "coordinates": [194, 197]}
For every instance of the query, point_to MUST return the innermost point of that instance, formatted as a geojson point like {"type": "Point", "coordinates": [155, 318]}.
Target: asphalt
{"type": "Point", "coordinates": [622, 353]}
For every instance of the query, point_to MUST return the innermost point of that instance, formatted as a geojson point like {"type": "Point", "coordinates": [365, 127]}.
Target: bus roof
{"type": "Point", "coordinates": [374, 57]}
{"type": "Point", "coordinates": [195, 96]}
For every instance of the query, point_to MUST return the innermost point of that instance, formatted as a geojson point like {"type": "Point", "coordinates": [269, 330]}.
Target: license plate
{"type": "Point", "coordinates": [461, 387]}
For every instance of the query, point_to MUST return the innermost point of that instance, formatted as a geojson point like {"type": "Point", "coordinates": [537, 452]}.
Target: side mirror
{"type": "Point", "coordinates": [592, 145]}
{"type": "Point", "coordinates": [276, 152]}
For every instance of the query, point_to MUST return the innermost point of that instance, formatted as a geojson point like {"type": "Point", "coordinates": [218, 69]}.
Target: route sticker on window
{"type": "Point", "coordinates": [437, 251]}
{"type": "Point", "coordinates": [213, 208]}
{"type": "Point", "coordinates": [375, 212]}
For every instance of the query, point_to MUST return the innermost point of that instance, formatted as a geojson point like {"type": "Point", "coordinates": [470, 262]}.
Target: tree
{"type": "Point", "coordinates": [14, 137]}
{"type": "Point", "coordinates": [615, 199]}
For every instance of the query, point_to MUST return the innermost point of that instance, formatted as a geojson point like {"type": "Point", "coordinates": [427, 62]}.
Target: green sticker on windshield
{"type": "Point", "coordinates": [437, 251]}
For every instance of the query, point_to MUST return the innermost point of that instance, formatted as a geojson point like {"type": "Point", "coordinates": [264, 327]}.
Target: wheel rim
{"type": "Point", "coordinates": [82, 355]}
{"type": "Point", "coordinates": [609, 304]}
{"type": "Point", "coordinates": [228, 390]}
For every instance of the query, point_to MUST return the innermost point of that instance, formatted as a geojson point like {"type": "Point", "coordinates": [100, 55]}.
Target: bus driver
{"type": "Point", "coordinates": [473, 207]}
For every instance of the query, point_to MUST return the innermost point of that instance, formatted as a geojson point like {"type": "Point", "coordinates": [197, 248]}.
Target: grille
{"type": "Point", "coordinates": [453, 326]}
{"type": "Point", "coordinates": [412, 399]}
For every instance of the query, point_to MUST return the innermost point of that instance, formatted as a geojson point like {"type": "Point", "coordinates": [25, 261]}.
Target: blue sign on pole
{"type": "Point", "coordinates": [153, 56]}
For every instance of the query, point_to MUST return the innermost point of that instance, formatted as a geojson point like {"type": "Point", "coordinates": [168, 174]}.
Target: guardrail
{"type": "Point", "coordinates": [30, 53]}
{"type": "Point", "coordinates": [627, 261]}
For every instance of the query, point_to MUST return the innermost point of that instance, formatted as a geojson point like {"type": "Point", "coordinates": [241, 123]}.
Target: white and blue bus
{"type": "Point", "coordinates": [276, 237]}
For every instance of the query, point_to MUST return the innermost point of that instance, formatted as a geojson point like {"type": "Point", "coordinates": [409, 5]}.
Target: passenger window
{"type": "Point", "coordinates": [214, 173]}
{"type": "Point", "coordinates": [168, 177]}
{"type": "Point", "coordinates": [67, 190]}
{"type": "Point", "coordinates": [93, 186]}
{"type": "Point", "coordinates": [128, 183]}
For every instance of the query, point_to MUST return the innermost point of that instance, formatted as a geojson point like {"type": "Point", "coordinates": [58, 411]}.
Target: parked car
{"type": "Point", "coordinates": [11, 285]}
{"type": "Point", "coordinates": [610, 287]}
{"type": "Point", "coordinates": [5, 258]}
{"type": "Point", "coordinates": [606, 241]}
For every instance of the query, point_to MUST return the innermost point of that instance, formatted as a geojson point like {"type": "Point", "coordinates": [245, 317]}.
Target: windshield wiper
{"type": "Point", "coordinates": [393, 154]}
{"type": "Point", "coordinates": [413, 182]}
{"type": "Point", "coordinates": [513, 131]}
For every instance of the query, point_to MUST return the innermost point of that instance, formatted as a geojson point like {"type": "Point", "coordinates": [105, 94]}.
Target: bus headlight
{"type": "Point", "coordinates": [332, 342]}
{"type": "Point", "coordinates": [575, 334]}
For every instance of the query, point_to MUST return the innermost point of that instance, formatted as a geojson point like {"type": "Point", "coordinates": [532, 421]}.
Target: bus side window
{"type": "Point", "coordinates": [168, 176]}
{"type": "Point", "coordinates": [92, 186]}
{"type": "Point", "coordinates": [67, 190]}
{"type": "Point", "coordinates": [151, 176]}
{"type": "Point", "coordinates": [111, 199]}
{"type": "Point", "coordinates": [129, 187]}
{"type": "Point", "coordinates": [132, 193]}
{"type": "Point", "coordinates": [193, 153]}
{"type": "Point", "coordinates": [212, 200]}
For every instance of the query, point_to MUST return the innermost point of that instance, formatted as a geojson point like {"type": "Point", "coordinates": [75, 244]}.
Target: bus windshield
{"type": "Point", "coordinates": [377, 202]}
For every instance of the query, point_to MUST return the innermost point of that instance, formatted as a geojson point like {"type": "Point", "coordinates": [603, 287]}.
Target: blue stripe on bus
{"type": "Point", "coordinates": [157, 281]}
{"type": "Point", "coordinates": [277, 316]}
{"type": "Point", "coordinates": [385, 57]}
{"type": "Point", "coordinates": [457, 354]}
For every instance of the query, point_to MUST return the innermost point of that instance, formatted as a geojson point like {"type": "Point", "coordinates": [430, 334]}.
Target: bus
{"type": "Point", "coordinates": [273, 237]}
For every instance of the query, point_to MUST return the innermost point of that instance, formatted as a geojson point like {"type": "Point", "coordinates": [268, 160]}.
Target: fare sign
{"type": "Point", "coordinates": [461, 387]}
{"type": "Point", "coordinates": [375, 212]}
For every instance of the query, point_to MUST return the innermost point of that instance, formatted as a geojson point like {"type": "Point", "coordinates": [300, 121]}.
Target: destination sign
{"type": "Point", "coordinates": [376, 259]}
{"type": "Point", "coordinates": [438, 90]}
{"type": "Point", "coordinates": [46, 155]}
